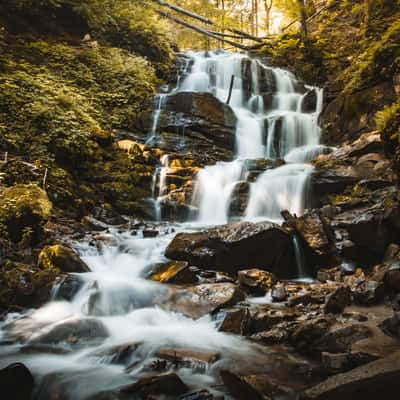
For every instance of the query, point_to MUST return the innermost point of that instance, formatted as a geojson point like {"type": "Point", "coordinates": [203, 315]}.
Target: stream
{"type": "Point", "coordinates": [105, 329]}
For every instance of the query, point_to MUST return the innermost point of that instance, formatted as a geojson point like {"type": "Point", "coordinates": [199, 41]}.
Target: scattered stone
{"type": "Point", "coordinates": [199, 300]}
{"type": "Point", "coordinates": [234, 320]}
{"type": "Point", "coordinates": [167, 384]}
{"type": "Point", "coordinates": [368, 293]}
{"type": "Point", "coordinates": [279, 294]}
{"type": "Point", "coordinates": [392, 277]}
{"type": "Point", "coordinates": [187, 357]}
{"type": "Point", "coordinates": [174, 272]}
{"type": "Point", "coordinates": [61, 257]}
{"type": "Point", "coordinates": [256, 281]}
{"type": "Point", "coordinates": [332, 274]}
{"type": "Point", "coordinates": [69, 287]}
{"type": "Point", "coordinates": [239, 388]}
{"type": "Point", "coordinates": [338, 300]}
{"type": "Point", "coordinates": [150, 233]}
{"type": "Point", "coordinates": [391, 326]}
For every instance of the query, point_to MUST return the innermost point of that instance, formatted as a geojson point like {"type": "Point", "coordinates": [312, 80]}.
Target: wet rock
{"type": "Point", "coordinates": [279, 294]}
{"type": "Point", "coordinates": [174, 272]}
{"type": "Point", "coordinates": [239, 388]}
{"type": "Point", "coordinates": [236, 246]}
{"type": "Point", "coordinates": [69, 287]}
{"type": "Point", "coordinates": [368, 293]}
{"type": "Point", "coordinates": [331, 274]}
{"type": "Point", "coordinates": [24, 285]}
{"type": "Point", "coordinates": [93, 224]}
{"type": "Point", "coordinates": [167, 384]}
{"type": "Point", "coordinates": [316, 233]}
{"type": "Point", "coordinates": [392, 277]}
{"type": "Point", "coordinates": [264, 318]}
{"type": "Point", "coordinates": [378, 379]}
{"type": "Point", "coordinates": [73, 332]}
{"type": "Point", "coordinates": [196, 301]}
{"type": "Point", "coordinates": [256, 281]}
{"type": "Point", "coordinates": [392, 252]}
{"type": "Point", "coordinates": [186, 358]}
{"type": "Point", "coordinates": [202, 113]}
{"type": "Point", "coordinates": [341, 339]}
{"type": "Point", "coordinates": [391, 326]}
{"type": "Point", "coordinates": [233, 320]}
{"type": "Point", "coordinates": [200, 395]}
{"type": "Point", "coordinates": [63, 258]}
{"type": "Point", "coordinates": [16, 382]}
{"type": "Point", "coordinates": [239, 198]}
{"type": "Point", "coordinates": [150, 233]}
{"type": "Point", "coordinates": [338, 300]}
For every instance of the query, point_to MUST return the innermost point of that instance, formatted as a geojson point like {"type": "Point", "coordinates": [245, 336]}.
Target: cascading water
{"type": "Point", "coordinates": [79, 340]}
{"type": "Point", "coordinates": [282, 131]}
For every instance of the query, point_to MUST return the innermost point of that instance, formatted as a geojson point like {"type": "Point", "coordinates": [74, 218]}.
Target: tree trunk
{"type": "Point", "coordinates": [303, 18]}
{"type": "Point", "coordinates": [268, 8]}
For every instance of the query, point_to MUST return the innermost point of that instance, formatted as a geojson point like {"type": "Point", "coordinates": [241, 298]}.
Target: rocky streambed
{"type": "Point", "coordinates": [306, 306]}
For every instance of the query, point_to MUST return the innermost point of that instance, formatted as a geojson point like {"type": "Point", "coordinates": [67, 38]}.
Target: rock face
{"type": "Point", "coordinates": [236, 246]}
{"type": "Point", "coordinates": [202, 120]}
{"type": "Point", "coordinates": [63, 258]}
{"type": "Point", "coordinates": [351, 113]}
{"type": "Point", "coordinates": [174, 272]}
{"type": "Point", "coordinates": [378, 379]}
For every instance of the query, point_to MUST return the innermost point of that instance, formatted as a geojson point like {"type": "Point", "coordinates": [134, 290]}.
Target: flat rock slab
{"type": "Point", "coordinates": [237, 246]}
{"type": "Point", "coordinates": [377, 380]}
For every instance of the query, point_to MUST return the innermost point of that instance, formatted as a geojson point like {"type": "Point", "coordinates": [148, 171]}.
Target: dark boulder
{"type": "Point", "coordinates": [236, 246]}
{"type": "Point", "coordinates": [16, 382]}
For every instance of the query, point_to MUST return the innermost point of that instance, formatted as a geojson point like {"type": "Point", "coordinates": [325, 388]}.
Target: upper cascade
{"type": "Point", "coordinates": [277, 119]}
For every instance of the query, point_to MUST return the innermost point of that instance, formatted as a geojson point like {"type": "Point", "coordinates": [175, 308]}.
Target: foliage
{"type": "Point", "coordinates": [69, 99]}
{"type": "Point", "coordinates": [379, 61]}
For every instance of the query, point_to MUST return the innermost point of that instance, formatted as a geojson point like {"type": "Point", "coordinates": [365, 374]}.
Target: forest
{"type": "Point", "coordinates": [199, 199]}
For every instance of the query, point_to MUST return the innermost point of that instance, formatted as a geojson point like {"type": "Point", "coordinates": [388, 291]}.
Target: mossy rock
{"type": "Point", "coordinates": [63, 258]}
{"type": "Point", "coordinates": [23, 210]}
{"type": "Point", "coordinates": [24, 285]}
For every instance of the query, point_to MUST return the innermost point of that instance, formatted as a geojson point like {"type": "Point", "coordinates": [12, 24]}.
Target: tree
{"type": "Point", "coordinates": [268, 8]}
{"type": "Point", "coordinates": [303, 17]}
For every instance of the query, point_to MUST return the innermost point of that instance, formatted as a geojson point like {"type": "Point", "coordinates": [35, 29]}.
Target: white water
{"type": "Point", "coordinates": [130, 307]}
{"type": "Point", "coordinates": [282, 132]}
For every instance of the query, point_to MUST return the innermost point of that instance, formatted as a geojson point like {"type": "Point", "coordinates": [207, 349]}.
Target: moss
{"type": "Point", "coordinates": [25, 285]}
{"type": "Point", "coordinates": [290, 51]}
{"type": "Point", "coordinates": [388, 122]}
{"type": "Point", "coordinates": [24, 207]}
{"type": "Point", "coordinates": [378, 62]}
{"type": "Point", "coordinates": [60, 257]}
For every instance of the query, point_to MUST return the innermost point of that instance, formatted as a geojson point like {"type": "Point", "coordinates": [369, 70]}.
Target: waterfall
{"type": "Point", "coordinates": [282, 131]}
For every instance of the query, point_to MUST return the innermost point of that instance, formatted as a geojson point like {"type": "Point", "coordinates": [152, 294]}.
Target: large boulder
{"type": "Point", "coordinates": [376, 380]}
{"type": "Point", "coordinates": [197, 122]}
{"type": "Point", "coordinates": [16, 382]}
{"type": "Point", "coordinates": [237, 246]}
{"type": "Point", "coordinates": [63, 258]}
